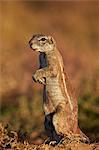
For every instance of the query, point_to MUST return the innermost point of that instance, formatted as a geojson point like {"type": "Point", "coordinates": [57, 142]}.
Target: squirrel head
{"type": "Point", "coordinates": [42, 43]}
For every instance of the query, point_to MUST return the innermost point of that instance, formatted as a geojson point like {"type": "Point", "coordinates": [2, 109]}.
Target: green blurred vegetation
{"type": "Point", "coordinates": [75, 26]}
{"type": "Point", "coordinates": [26, 114]}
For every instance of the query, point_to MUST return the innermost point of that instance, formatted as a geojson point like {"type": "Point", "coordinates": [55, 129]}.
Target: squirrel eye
{"type": "Point", "coordinates": [43, 39]}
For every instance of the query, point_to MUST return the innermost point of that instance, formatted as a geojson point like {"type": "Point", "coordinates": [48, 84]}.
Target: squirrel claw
{"type": "Point", "coordinates": [53, 143]}
{"type": "Point", "coordinates": [41, 81]}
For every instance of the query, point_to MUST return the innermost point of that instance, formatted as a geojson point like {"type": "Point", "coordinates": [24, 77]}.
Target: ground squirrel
{"type": "Point", "coordinates": [59, 100]}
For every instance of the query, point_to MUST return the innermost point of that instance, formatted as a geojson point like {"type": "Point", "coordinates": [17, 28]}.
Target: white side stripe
{"type": "Point", "coordinates": [66, 87]}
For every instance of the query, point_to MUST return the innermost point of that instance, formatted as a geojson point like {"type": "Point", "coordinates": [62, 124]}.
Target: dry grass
{"type": "Point", "coordinates": [10, 140]}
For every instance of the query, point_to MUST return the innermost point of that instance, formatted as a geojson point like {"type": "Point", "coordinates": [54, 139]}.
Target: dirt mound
{"type": "Point", "coordinates": [10, 140]}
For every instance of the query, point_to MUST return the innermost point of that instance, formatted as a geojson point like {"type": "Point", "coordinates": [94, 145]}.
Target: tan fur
{"type": "Point", "coordinates": [59, 98]}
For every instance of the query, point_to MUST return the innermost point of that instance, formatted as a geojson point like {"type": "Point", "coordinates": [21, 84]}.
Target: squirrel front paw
{"type": "Point", "coordinates": [37, 77]}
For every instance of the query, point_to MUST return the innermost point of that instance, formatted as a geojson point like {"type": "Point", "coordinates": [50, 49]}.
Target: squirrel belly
{"type": "Point", "coordinates": [54, 90]}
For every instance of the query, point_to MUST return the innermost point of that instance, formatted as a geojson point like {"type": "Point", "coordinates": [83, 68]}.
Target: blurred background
{"type": "Point", "coordinates": [75, 27]}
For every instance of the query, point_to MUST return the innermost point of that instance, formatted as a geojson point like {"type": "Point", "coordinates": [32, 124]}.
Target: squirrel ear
{"type": "Point", "coordinates": [51, 40]}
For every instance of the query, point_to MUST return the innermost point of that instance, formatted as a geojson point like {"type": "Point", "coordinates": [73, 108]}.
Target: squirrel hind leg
{"type": "Point", "coordinates": [50, 129]}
